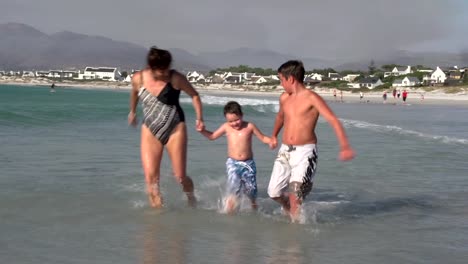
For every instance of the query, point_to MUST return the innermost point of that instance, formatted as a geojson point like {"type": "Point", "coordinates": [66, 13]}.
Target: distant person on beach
{"type": "Point", "coordinates": [398, 94]}
{"type": "Point", "coordinates": [405, 95]}
{"type": "Point", "coordinates": [422, 97]}
{"type": "Point", "coordinates": [341, 96]}
{"type": "Point", "coordinates": [361, 95]}
{"type": "Point", "coordinates": [240, 165]}
{"type": "Point", "coordinates": [52, 88]}
{"type": "Point", "coordinates": [384, 96]}
{"type": "Point", "coordinates": [296, 163]}
{"type": "Point", "coordinates": [158, 87]}
{"type": "Point", "coordinates": [334, 94]}
{"type": "Point", "coordinates": [394, 93]}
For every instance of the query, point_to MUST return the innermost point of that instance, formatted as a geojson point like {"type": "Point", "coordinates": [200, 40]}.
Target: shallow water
{"type": "Point", "coordinates": [73, 189]}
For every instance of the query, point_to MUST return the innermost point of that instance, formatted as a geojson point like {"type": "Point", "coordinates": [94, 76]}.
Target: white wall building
{"type": "Point", "coordinates": [438, 76]}
{"type": "Point", "coordinates": [101, 73]}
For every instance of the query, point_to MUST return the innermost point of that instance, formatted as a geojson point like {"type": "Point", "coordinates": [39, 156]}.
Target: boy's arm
{"type": "Point", "coordinates": [213, 135]}
{"type": "Point", "coordinates": [259, 134]}
{"type": "Point", "coordinates": [278, 122]}
{"type": "Point", "coordinates": [346, 152]}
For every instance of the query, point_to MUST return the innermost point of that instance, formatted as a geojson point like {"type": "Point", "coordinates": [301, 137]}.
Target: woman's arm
{"type": "Point", "coordinates": [136, 84]}
{"type": "Point", "coordinates": [183, 84]}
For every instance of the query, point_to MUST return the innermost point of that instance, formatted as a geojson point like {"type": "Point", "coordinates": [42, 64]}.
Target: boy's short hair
{"type": "Point", "coordinates": [233, 107]}
{"type": "Point", "coordinates": [293, 68]}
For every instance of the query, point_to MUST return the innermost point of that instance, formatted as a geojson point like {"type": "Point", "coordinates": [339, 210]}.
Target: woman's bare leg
{"type": "Point", "coordinates": [177, 150]}
{"type": "Point", "coordinates": [151, 155]}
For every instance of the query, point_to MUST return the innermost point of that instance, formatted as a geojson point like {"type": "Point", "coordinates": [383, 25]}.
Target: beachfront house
{"type": "Point", "coordinates": [195, 77]}
{"type": "Point", "coordinates": [258, 79]}
{"type": "Point", "coordinates": [334, 76]}
{"type": "Point", "coordinates": [99, 73]}
{"type": "Point", "coordinates": [315, 76]}
{"type": "Point", "coordinates": [438, 76]}
{"type": "Point", "coordinates": [455, 75]}
{"type": "Point", "coordinates": [401, 70]}
{"type": "Point", "coordinates": [406, 82]}
{"type": "Point", "coordinates": [42, 73]}
{"type": "Point", "coordinates": [350, 77]}
{"type": "Point", "coordinates": [29, 74]}
{"type": "Point", "coordinates": [370, 82]}
{"type": "Point", "coordinates": [54, 74]}
{"type": "Point", "coordinates": [230, 77]}
{"type": "Point", "coordinates": [69, 74]}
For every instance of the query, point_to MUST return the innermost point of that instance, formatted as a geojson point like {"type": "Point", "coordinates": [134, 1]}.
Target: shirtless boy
{"type": "Point", "coordinates": [295, 166]}
{"type": "Point", "coordinates": [240, 166]}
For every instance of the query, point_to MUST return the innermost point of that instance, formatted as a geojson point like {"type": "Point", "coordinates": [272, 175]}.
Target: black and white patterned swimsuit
{"type": "Point", "coordinates": [162, 113]}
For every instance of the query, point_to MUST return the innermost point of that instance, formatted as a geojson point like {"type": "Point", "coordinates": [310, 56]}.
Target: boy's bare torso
{"type": "Point", "coordinates": [300, 118]}
{"type": "Point", "coordinates": [239, 142]}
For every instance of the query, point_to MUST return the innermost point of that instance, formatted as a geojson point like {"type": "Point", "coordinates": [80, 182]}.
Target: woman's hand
{"type": "Point", "coordinates": [132, 120]}
{"type": "Point", "coordinates": [199, 125]}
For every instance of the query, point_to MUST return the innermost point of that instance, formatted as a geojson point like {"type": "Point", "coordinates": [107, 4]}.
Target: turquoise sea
{"type": "Point", "coordinates": [72, 187]}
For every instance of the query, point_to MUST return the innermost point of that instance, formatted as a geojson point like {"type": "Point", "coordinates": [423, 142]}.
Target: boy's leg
{"type": "Point", "coordinates": [233, 186]}
{"type": "Point", "coordinates": [249, 182]}
{"type": "Point", "coordinates": [279, 179]}
{"type": "Point", "coordinates": [304, 163]}
{"type": "Point", "coordinates": [231, 204]}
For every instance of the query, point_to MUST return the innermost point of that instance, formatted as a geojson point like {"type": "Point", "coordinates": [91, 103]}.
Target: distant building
{"type": "Point", "coordinates": [100, 73]}
{"type": "Point", "coordinates": [406, 82]}
{"type": "Point", "coordinates": [370, 82]}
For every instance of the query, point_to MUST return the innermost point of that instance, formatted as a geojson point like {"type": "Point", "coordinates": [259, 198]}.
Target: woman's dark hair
{"type": "Point", "coordinates": [159, 59]}
{"type": "Point", "coordinates": [233, 107]}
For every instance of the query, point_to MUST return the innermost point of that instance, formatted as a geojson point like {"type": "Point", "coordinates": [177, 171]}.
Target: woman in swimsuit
{"type": "Point", "coordinates": [158, 87]}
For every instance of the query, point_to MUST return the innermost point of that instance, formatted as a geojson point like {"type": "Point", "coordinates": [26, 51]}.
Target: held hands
{"type": "Point", "coordinates": [346, 154]}
{"type": "Point", "coordinates": [132, 120]}
{"type": "Point", "coordinates": [199, 125]}
{"type": "Point", "coordinates": [273, 142]}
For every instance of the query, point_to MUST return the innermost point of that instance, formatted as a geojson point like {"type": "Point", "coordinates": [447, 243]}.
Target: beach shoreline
{"type": "Point", "coordinates": [415, 95]}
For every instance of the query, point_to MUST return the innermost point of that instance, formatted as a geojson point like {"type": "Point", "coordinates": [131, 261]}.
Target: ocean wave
{"type": "Point", "coordinates": [402, 131]}
{"type": "Point", "coordinates": [258, 105]}
{"type": "Point", "coordinates": [222, 100]}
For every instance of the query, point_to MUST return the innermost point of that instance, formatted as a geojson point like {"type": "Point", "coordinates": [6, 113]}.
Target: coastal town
{"type": "Point", "coordinates": [388, 76]}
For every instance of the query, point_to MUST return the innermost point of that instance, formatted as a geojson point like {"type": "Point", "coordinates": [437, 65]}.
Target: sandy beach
{"type": "Point", "coordinates": [415, 95]}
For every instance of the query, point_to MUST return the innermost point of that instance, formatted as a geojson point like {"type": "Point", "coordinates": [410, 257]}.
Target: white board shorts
{"type": "Point", "coordinates": [294, 163]}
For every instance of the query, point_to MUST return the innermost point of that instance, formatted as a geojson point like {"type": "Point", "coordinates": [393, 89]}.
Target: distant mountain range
{"type": "Point", "coordinates": [23, 47]}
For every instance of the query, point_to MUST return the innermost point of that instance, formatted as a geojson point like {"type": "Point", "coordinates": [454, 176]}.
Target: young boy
{"type": "Point", "coordinates": [240, 166]}
{"type": "Point", "coordinates": [294, 168]}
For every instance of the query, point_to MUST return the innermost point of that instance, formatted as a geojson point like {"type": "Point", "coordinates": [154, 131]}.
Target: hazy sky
{"type": "Point", "coordinates": [332, 29]}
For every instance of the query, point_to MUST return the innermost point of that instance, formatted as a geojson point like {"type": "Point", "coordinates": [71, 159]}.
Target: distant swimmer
{"type": "Point", "coordinates": [52, 88]}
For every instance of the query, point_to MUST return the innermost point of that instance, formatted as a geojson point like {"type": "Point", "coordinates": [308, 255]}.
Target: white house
{"type": "Point", "coordinates": [102, 73]}
{"type": "Point", "coordinates": [258, 79]}
{"type": "Point", "coordinates": [28, 74]}
{"type": "Point", "coordinates": [315, 76]}
{"type": "Point", "coordinates": [350, 77]}
{"type": "Point", "coordinates": [438, 76]}
{"type": "Point", "coordinates": [230, 77]}
{"type": "Point", "coordinates": [42, 73]}
{"type": "Point", "coordinates": [397, 71]}
{"type": "Point", "coordinates": [54, 74]}
{"type": "Point", "coordinates": [406, 82]}
{"type": "Point", "coordinates": [370, 82]}
{"type": "Point", "coordinates": [334, 76]}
